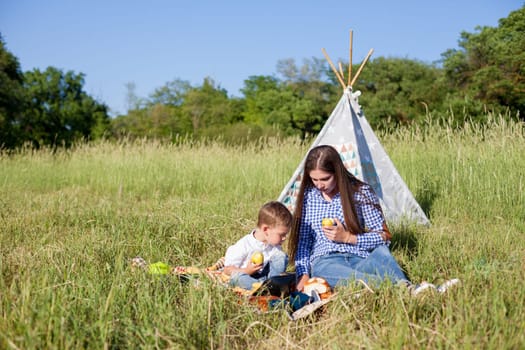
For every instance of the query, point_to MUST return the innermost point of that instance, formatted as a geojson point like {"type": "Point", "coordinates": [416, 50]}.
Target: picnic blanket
{"type": "Point", "coordinates": [275, 294]}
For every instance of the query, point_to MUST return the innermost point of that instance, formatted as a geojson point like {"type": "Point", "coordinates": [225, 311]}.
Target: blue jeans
{"type": "Point", "coordinates": [341, 268]}
{"type": "Point", "coordinates": [274, 267]}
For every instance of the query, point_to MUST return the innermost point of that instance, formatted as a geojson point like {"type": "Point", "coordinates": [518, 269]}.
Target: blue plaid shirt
{"type": "Point", "coordinates": [312, 241]}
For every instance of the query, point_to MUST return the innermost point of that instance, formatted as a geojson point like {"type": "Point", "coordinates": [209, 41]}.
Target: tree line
{"type": "Point", "coordinates": [486, 73]}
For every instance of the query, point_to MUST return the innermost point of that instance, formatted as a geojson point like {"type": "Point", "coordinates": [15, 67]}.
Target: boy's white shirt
{"type": "Point", "coordinates": [240, 253]}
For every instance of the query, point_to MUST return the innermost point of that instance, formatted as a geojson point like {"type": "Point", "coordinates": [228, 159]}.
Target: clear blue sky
{"type": "Point", "coordinates": [114, 42]}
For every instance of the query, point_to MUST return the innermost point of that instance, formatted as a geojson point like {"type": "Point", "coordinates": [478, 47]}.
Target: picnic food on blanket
{"type": "Point", "coordinates": [138, 263]}
{"type": "Point", "coordinates": [327, 222]}
{"type": "Point", "coordinates": [188, 270]}
{"type": "Point", "coordinates": [271, 295]}
{"type": "Point", "coordinates": [159, 268]}
{"type": "Point", "coordinates": [257, 258]}
{"type": "Point", "coordinates": [318, 285]}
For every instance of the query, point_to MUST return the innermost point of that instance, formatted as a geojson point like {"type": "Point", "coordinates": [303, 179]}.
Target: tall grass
{"type": "Point", "coordinates": [71, 220]}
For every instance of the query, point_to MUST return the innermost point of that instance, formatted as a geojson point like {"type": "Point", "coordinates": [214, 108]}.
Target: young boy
{"type": "Point", "coordinates": [273, 224]}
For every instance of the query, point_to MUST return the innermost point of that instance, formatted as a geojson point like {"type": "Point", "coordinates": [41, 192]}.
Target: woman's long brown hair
{"type": "Point", "coordinates": [326, 158]}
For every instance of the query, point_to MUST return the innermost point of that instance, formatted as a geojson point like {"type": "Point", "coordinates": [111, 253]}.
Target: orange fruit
{"type": "Point", "coordinates": [257, 258]}
{"type": "Point", "coordinates": [328, 222]}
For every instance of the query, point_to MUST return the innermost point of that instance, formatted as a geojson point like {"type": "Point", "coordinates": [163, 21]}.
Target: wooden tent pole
{"type": "Point", "coordinates": [361, 67]}
{"type": "Point", "coordinates": [341, 70]}
{"type": "Point", "coordinates": [350, 60]}
{"type": "Point", "coordinates": [334, 69]}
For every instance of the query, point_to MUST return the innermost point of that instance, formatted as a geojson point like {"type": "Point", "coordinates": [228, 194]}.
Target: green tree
{"type": "Point", "coordinates": [313, 94]}
{"type": "Point", "coordinates": [208, 106]}
{"type": "Point", "coordinates": [260, 93]}
{"type": "Point", "coordinates": [170, 94]}
{"type": "Point", "coordinates": [312, 104]}
{"type": "Point", "coordinates": [12, 98]}
{"type": "Point", "coordinates": [268, 103]}
{"type": "Point", "coordinates": [298, 104]}
{"type": "Point", "coordinates": [59, 111]}
{"type": "Point", "coordinates": [398, 90]}
{"type": "Point", "coordinates": [156, 121]}
{"type": "Point", "coordinates": [489, 66]}
{"type": "Point", "coordinates": [312, 69]}
{"type": "Point", "coordinates": [135, 124]}
{"type": "Point", "coordinates": [133, 102]}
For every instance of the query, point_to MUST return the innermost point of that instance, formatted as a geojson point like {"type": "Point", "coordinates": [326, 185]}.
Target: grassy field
{"type": "Point", "coordinates": [71, 220]}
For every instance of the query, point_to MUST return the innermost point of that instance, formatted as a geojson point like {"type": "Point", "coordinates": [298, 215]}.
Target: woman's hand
{"type": "Point", "coordinates": [301, 282]}
{"type": "Point", "coordinates": [338, 233]}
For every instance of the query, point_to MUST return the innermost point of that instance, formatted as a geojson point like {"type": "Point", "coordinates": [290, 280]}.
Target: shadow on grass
{"type": "Point", "coordinates": [404, 239]}
{"type": "Point", "coordinates": [427, 194]}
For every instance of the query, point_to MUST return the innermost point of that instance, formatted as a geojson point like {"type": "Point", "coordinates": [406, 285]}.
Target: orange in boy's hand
{"type": "Point", "coordinates": [257, 258]}
{"type": "Point", "coordinates": [328, 222]}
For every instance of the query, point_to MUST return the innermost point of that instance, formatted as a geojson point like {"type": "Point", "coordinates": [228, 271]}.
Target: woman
{"type": "Point", "coordinates": [356, 246]}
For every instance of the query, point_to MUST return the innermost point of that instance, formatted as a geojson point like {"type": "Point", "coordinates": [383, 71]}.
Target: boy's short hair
{"type": "Point", "coordinates": [273, 214]}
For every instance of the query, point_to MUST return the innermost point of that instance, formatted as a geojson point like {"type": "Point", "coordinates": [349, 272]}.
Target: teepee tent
{"type": "Point", "coordinates": [348, 131]}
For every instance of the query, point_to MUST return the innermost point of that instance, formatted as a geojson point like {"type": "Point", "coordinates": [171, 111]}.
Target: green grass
{"type": "Point", "coordinates": [71, 220]}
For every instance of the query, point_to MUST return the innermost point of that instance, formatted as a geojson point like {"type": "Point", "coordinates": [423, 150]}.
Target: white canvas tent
{"type": "Point", "coordinates": [349, 132]}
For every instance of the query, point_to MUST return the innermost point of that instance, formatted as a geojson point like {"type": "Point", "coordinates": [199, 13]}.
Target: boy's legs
{"type": "Point", "coordinates": [278, 264]}
{"type": "Point", "coordinates": [243, 280]}
{"type": "Point", "coordinates": [275, 267]}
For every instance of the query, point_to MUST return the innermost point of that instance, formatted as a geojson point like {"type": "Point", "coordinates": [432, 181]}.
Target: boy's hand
{"type": "Point", "coordinates": [252, 268]}
{"type": "Point", "coordinates": [228, 270]}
